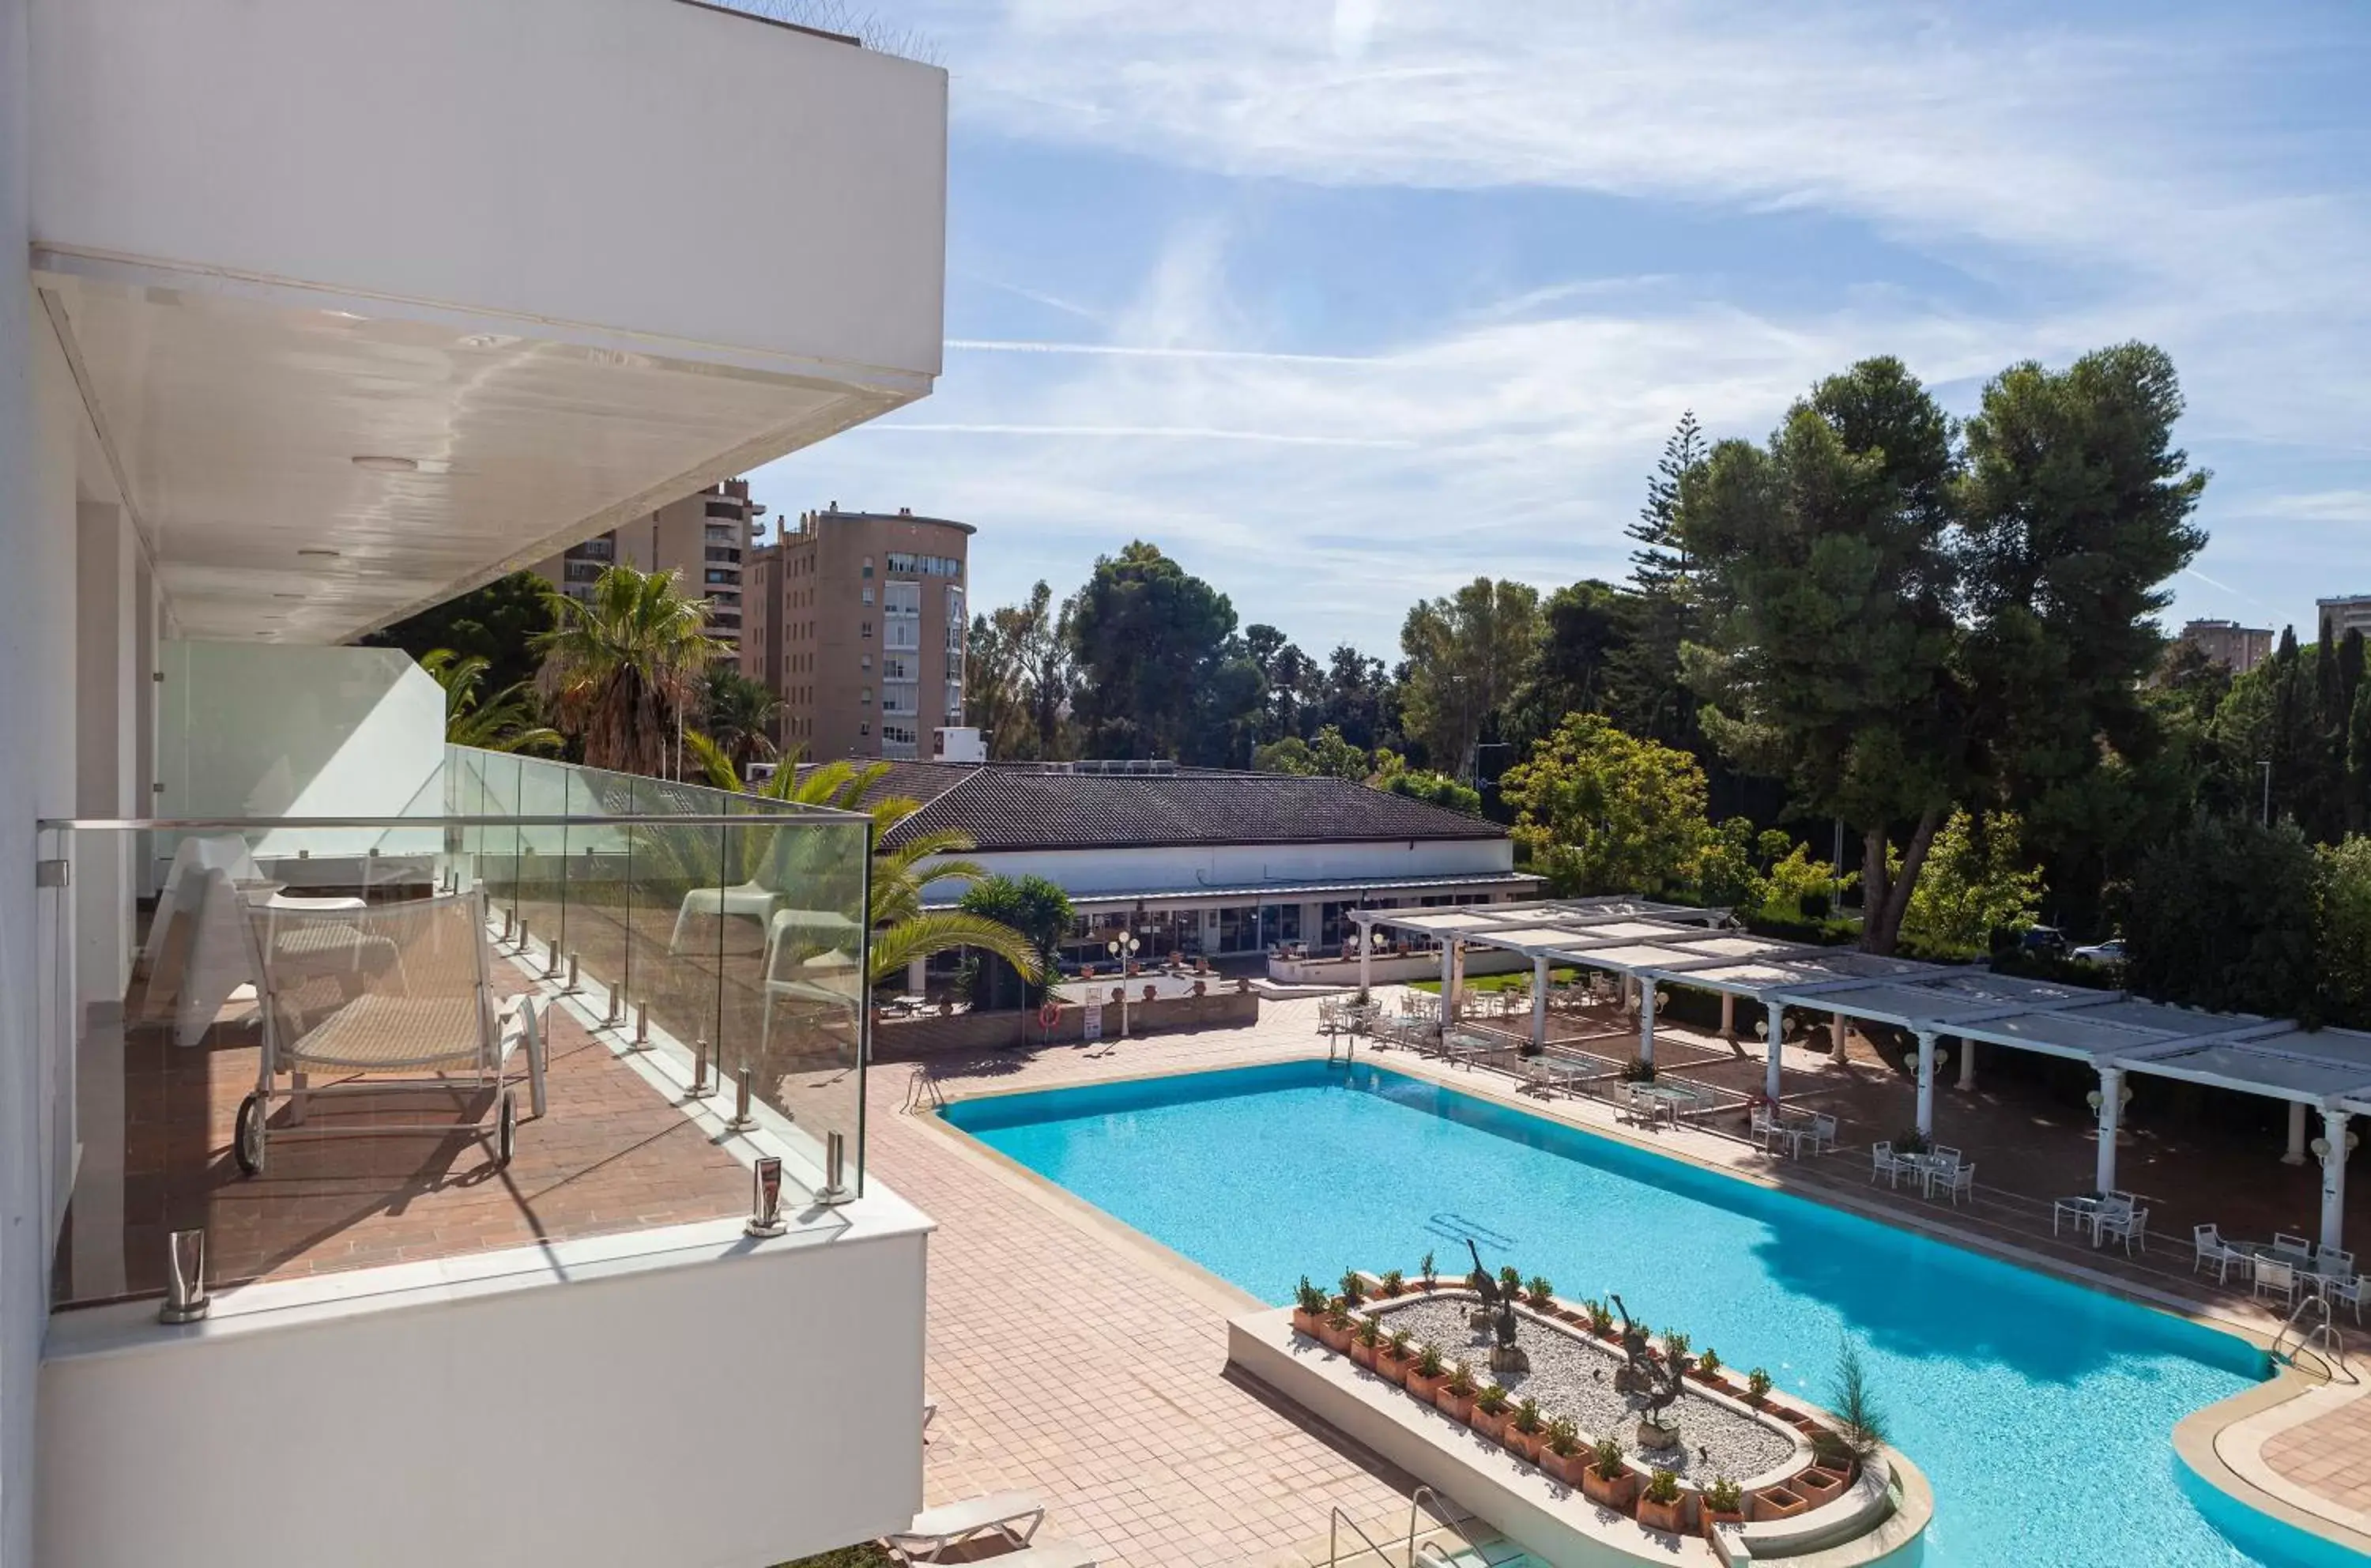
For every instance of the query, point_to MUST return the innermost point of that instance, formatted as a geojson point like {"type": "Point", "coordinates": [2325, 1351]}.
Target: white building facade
{"type": "Point", "coordinates": [314, 314]}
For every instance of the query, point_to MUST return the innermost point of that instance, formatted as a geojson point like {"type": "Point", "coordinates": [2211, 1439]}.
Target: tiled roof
{"type": "Point", "coordinates": [1025, 807]}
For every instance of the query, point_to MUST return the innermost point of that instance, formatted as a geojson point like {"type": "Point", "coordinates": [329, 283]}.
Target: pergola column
{"type": "Point", "coordinates": [1926, 1083]}
{"type": "Point", "coordinates": [2332, 1148]}
{"type": "Point", "coordinates": [1646, 1020]}
{"type": "Point", "coordinates": [1539, 1003]}
{"type": "Point", "coordinates": [1366, 958]}
{"type": "Point", "coordinates": [2111, 1115]}
{"type": "Point", "coordinates": [1729, 1017]}
{"type": "Point", "coordinates": [1448, 979]}
{"type": "Point", "coordinates": [1770, 1065]}
{"type": "Point", "coordinates": [2296, 1154]}
{"type": "Point", "coordinates": [1838, 1032]}
{"type": "Point", "coordinates": [1967, 1063]}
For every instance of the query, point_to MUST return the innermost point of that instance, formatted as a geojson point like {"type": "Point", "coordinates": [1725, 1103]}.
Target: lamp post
{"type": "Point", "coordinates": [1123, 948]}
{"type": "Point", "coordinates": [2267, 817]}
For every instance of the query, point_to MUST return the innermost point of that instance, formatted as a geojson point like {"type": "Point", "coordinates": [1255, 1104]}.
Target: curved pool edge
{"type": "Point", "coordinates": [2218, 1448]}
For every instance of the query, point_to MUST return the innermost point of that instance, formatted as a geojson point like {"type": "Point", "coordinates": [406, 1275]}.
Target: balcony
{"type": "Point", "coordinates": [668, 942]}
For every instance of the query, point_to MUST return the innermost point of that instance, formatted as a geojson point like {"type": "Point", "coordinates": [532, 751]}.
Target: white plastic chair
{"type": "Point", "coordinates": [2349, 1290]}
{"type": "Point", "coordinates": [1882, 1161]}
{"type": "Point", "coordinates": [1823, 1133]}
{"type": "Point", "coordinates": [2129, 1226]}
{"type": "Point", "coordinates": [1962, 1182]}
{"type": "Point", "coordinates": [2331, 1263]}
{"type": "Point", "coordinates": [2290, 1248]}
{"type": "Point", "coordinates": [2213, 1248]}
{"type": "Point", "coordinates": [2274, 1276]}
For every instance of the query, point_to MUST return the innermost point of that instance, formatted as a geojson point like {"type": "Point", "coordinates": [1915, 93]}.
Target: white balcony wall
{"type": "Point", "coordinates": [754, 1407]}
{"type": "Point", "coordinates": [258, 730]}
{"type": "Point", "coordinates": [637, 166]}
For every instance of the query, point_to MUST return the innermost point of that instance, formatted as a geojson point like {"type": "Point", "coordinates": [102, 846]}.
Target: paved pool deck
{"type": "Point", "coordinates": [1074, 1358]}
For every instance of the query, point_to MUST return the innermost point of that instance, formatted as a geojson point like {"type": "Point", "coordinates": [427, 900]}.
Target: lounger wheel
{"type": "Point", "coordinates": [506, 1129]}
{"type": "Point", "coordinates": [247, 1143]}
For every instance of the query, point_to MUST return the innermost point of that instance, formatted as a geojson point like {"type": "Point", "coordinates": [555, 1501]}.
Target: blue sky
{"type": "Point", "coordinates": [1343, 303]}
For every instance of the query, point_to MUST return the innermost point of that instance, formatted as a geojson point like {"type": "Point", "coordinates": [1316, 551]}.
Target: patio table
{"type": "Point", "coordinates": [1465, 1045]}
{"type": "Point", "coordinates": [1929, 1167]}
{"type": "Point", "coordinates": [1669, 1098]}
{"type": "Point", "coordinates": [1546, 1073]}
{"type": "Point", "coordinates": [2309, 1277]}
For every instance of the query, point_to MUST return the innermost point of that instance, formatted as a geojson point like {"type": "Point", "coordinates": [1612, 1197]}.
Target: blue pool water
{"type": "Point", "coordinates": [1994, 1376]}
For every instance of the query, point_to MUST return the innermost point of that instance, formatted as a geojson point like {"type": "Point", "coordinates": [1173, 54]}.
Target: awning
{"type": "Point", "coordinates": [1199, 897]}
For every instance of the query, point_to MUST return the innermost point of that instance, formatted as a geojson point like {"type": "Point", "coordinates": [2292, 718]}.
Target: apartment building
{"type": "Point", "coordinates": [2337, 616]}
{"type": "Point", "coordinates": [2237, 648]}
{"type": "Point", "coordinates": [701, 538]}
{"type": "Point", "coordinates": [858, 620]}
{"type": "Point", "coordinates": [308, 322]}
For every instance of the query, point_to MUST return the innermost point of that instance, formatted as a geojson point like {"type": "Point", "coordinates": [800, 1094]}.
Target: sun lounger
{"type": "Point", "coordinates": [1016, 1516]}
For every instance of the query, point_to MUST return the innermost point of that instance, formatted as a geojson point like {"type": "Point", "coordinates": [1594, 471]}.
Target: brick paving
{"type": "Point", "coordinates": [1126, 1424]}
{"type": "Point", "coordinates": [612, 1154]}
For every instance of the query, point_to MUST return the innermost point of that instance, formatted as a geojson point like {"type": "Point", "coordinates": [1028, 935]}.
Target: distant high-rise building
{"type": "Point", "coordinates": [2237, 648]}
{"type": "Point", "coordinates": [701, 538]}
{"type": "Point", "coordinates": [2348, 612]}
{"type": "Point", "coordinates": [857, 619]}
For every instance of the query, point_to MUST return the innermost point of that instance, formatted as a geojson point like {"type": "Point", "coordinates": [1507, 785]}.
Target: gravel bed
{"type": "Point", "coordinates": [1574, 1378]}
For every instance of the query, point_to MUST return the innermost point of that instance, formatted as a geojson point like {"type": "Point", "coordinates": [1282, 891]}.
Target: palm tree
{"type": "Point", "coordinates": [623, 666]}
{"type": "Point", "coordinates": [737, 713]}
{"type": "Point", "coordinates": [902, 929]}
{"type": "Point", "coordinates": [502, 722]}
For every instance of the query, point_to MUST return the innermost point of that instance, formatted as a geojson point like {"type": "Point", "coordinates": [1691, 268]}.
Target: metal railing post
{"type": "Point", "coordinates": [186, 1300]}
{"type": "Point", "coordinates": [834, 1189]}
{"type": "Point", "coordinates": [742, 1120]}
{"type": "Point", "coordinates": [765, 1198]}
{"type": "Point", "coordinates": [700, 1087]}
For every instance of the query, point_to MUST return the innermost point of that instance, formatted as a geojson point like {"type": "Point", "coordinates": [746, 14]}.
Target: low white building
{"type": "Point", "coordinates": [1205, 861]}
{"type": "Point", "coordinates": [313, 314]}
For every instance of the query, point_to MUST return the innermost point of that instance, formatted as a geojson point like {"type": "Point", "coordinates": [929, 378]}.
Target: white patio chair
{"type": "Point", "coordinates": [2274, 1276]}
{"type": "Point", "coordinates": [1962, 1182]}
{"type": "Point", "coordinates": [1769, 1127]}
{"type": "Point", "coordinates": [2290, 1248]}
{"type": "Point", "coordinates": [2349, 1290]}
{"type": "Point", "coordinates": [2213, 1248]}
{"type": "Point", "coordinates": [751, 899]}
{"type": "Point", "coordinates": [1823, 1133]}
{"type": "Point", "coordinates": [1883, 1161]}
{"type": "Point", "coordinates": [1940, 1166]}
{"type": "Point", "coordinates": [2129, 1226]}
{"type": "Point", "coordinates": [424, 1021]}
{"type": "Point", "coordinates": [1946, 1154]}
{"type": "Point", "coordinates": [1016, 1516]}
{"type": "Point", "coordinates": [2331, 1263]}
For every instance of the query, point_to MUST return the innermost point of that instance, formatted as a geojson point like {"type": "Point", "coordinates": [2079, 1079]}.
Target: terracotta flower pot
{"type": "Point", "coordinates": [1567, 1469]}
{"type": "Point", "coordinates": [1393, 1369]}
{"type": "Point", "coordinates": [1363, 1353]}
{"type": "Point", "coordinates": [1777, 1503]}
{"type": "Point", "coordinates": [1336, 1340]}
{"type": "Point", "coordinates": [1669, 1518]}
{"type": "Point", "coordinates": [1306, 1322]}
{"type": "Point", "coordinates": [1714, 1519]}
{"type": "Point", "coordinates": [1426, 1389]}
{"type": "Point", "coordinates": [1818, 1485]}
{"type": "Point", "coordinates": [1457, 1407]}
{"type": "Point", "coordinates": [1493, 1428]}
{"type": "Point", "coordinates": [1618, 1494]}
{"type": "Point", "coordinates": [1523, 1444]}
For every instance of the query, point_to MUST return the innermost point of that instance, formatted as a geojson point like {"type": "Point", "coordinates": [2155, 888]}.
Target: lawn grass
{"type": "Point", "coordinates": [1515, 982]}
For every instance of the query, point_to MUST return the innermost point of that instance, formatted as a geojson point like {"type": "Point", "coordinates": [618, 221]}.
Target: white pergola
{"type": "Point", "coordinates": [1647, 944]}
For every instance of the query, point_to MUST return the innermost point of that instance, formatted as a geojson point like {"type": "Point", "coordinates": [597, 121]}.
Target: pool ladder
{"type": "Point", "coordinates": [922, 1092]}
{"type": "Point", "coordinates": [2322, 1336]}
{"type": "Point", "coordinates": [1408, 1549]}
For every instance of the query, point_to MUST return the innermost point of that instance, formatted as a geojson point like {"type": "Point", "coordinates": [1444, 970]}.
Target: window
{"type": "Point", "coordinates": [899, 633]}
{"type": "Point", "coordinates": [864, 697]}
{"type": "Point", "coordinates": [717, 574]}
{"type": "Point", "coordinates": [897, 667]}
{"type": "Point", "coordinates": [596, 549]}
{"type": "Point", "coordinates": [901, 598]}
{"type": "Point", "coordinates": [954, 702]}
{"type": "Point", "coordinates": [582, 571]}
{"type": "Point", "coordinates": [724, 509]}
{"type": "Point", "coordinates": [925, 565]}
{"type": "Point", "coordinates": [954, 621]}
{"type": "Point", "coordinates": [864, 726]}
{"type": "Point", "coordinates": [721, 552]}
{"type": "Point", "coordinates": [867, 566]}
{"type": "Point", "coordinates": [868, 594]}
{"type": "Point", "coordinates": [865, 630]}
{"type": "Point", "coordinates": [902, 700]}
{"type": "Point", "coordinates": [903, 734]}
{"type": "Point", "coordinates": [864, 662]}
{"type": "Point", "coordinates": [719, 534]}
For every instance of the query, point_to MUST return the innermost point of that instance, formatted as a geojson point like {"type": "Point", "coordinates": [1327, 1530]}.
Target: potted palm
{"type": "Point", "coordinates": [1393, 1283]}
{"type": "Point", "coordinates": [1707, 1368]}
{"type": "Point", "coordinates": [1455, 1399]}
{"type": "Point", "coordinates": [1366, 1342]}
{"type": "Point", "coordinates": [1757, 1387]}
{"type": "Point", "coordinates": [1525, 1431]}
{"type": "Point", "coordinates": [1428, 1375]}
{"type": "Point", "coordinates": [1608, 1481]}
{"type": "Point", "coordinates": [1490, 1413]}
{"type": "Point", "coordinates": [1354, 1289]}
{"type": "Point", "coordinates": [1337, 1327]}
{"type": "Point", "coordinates": [1540, 1292]}
{"type": "Point", "coordinates": [1562, 1455]}
{"type": "Point", "coordinates": [1723, 1504]}
{"type": "Point", "coordinates": [1662, 1505]}
{"type": "Point", "coordinates": [1308, 1308]}
{"type": "Point", "coordinates": [1393, 1361]}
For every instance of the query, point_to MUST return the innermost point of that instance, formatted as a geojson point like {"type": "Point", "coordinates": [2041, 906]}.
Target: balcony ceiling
{"type": "Point", "coordinates": [232, 420]}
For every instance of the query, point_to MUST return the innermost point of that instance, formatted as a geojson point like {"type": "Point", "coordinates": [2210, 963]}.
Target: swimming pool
{"type": "Point", "coordinates": [1992, 1375]}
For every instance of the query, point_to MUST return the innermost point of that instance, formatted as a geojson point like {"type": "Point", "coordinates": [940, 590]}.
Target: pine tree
{"type": "Point", "coordinates": [2358, 761]}
{"type": "Point", "coordinates": [1644, 687]}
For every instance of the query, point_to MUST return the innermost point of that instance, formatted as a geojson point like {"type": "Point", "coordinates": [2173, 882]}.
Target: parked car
{"type": "Point", "coordinates": [2108, 951]}
{"type": "Point", "coordinates": [2043, 938]}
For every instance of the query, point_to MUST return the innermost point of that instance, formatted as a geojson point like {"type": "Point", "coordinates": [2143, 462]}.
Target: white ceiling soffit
{"type": "Point", "coordinates": [232, 415]}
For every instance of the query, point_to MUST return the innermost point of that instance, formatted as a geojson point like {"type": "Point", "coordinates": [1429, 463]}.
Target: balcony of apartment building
{"type": "Point", "coordinates": [307, 359]}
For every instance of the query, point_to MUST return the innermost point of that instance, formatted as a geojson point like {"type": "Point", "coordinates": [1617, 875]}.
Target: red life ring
{"type": "Point", "coordinates": [1050, 1014]}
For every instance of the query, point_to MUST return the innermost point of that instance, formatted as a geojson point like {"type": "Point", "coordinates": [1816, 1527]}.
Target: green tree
{"type": "Point", "coordinates": [2358, 758]}
{"type": "Point", "coordinates": [1328, 756]}
{"type": "Point", "coordinates": [1605, 811]}
{"type": "Point", "coordinates": [505, 722]}
{"type": "Point", "coordinates": [623, 667]}
{"type": "Point", "coordinates": [1290, 683]}
{"type": "Point", "coordinates": [1020, 678]}
{"type": "Point", "coordinates": [497, 623]}
{"type": "Point", "coordinates": [738, 713]}
{"type": "Point", "coordinates": [2344, 940]}
{"type": "Point", "coordinates": [1829, 657]}
{"type": "Point", "coordinates": [1467, 654]}
{"type": "Point", "coordinates": [2222, 915]}
{"type": "Point", "coordinates": [1032, 905]}
{"type": "Point", "coordinates": [1584, 628]}
{"type": "Point", "coordinates": [1147, 636]}
{"type": "Point", "coordinates": [1355, 697]}
{"type": "Point", "coordinates": [1646, 690]}
{"type": "Point", "coordinates": [1394, 775]}
{"type": "Point", "coordinates": [1977, 881]}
